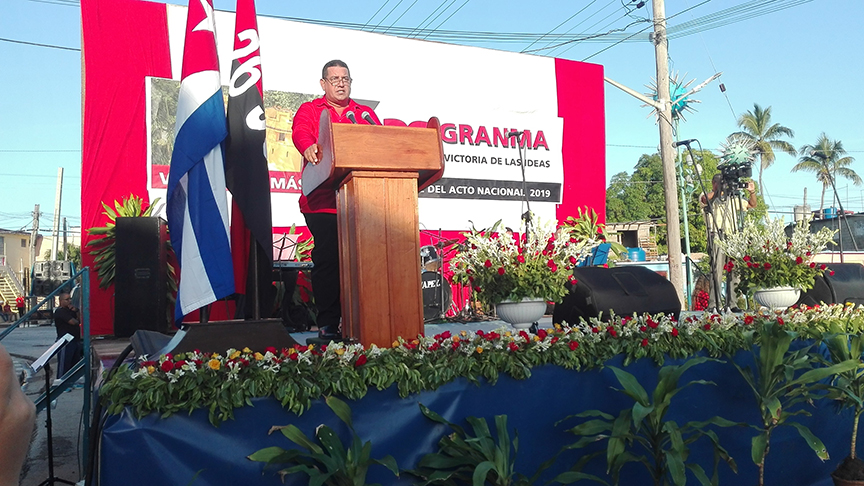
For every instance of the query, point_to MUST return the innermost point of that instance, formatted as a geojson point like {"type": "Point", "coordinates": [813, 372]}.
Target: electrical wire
{"type": "Point", "coordinates": [400, 17]}
{"type": "Point", "coordinates": [448, 18]}
{"type": "Point", "coordinates": [51, 46]}
{"type": "Point", "coordinates": [559, 25]}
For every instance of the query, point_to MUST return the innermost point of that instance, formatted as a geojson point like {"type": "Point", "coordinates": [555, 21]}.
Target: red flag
{"type": "Point", "coordinates": [246, 173]}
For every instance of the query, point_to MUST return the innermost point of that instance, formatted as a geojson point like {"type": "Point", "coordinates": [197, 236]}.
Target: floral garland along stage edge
{"type": "Point", "coordinates": [298, 376]}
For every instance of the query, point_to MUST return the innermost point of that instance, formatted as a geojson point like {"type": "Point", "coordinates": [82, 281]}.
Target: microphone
{"type": "Point", "coordinates": [684, 142]}
{"type": "Point", "coordinates": [514, 133]}
{"type": "Point", "coordinates": [366, 116]}
{"type": "Point", "coordinates": [350, 116]}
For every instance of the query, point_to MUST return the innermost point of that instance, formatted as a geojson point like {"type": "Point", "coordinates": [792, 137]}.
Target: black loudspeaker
{"type": "Point", "coordinates": [140, 280]}
{"type": "Point", "coordinates": [622, 290]}
{"type": "Point", "coordinates": [845, 286]}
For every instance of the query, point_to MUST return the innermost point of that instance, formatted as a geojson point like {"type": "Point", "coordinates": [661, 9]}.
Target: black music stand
{"type": "Point", "coordinates": [37, 365]}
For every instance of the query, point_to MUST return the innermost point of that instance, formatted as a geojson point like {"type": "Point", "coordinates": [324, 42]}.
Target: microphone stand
{"type": "Point", "coordinates": [715, 289]}
{"type": "Point", "coordinates": [526, 216]}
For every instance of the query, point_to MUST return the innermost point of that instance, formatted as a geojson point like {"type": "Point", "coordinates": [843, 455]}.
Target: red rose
{"type": "Point", "coordinates": [512, 346]}
{"type": "Point", "coordinates": [572, 280]}
{"type": "Point", "coordinates": [520, 259]}
{"type": "Point", "coordinates": [487, 263]}
{"type": "Point", "coordinates": [612, 331]}
{"type": "Point", "coordinates": [746, 258]}
{"type": "Point", "coordinates": [831, 273]}
{"type": "Point", "coordinates": [823, 267]}
{"type": "Point", "coordinates": [178, 364]}
{"type": "Point", "coordinates": [595, 330]}
{"type": "Point", "coordinates": [270, 349]}
{"type": "Point", "coordinates": [573, 345]}
{"type": "Point", "coordinates": [541, 333]}
{"type": "Point", "coordinates": [167, 366]}
{"type": "Point", "coordinates": [707, 326]}
{"type": "Point", "coordinates": [573, 260]}
{"type": "Point", "coordinates": [643, 328]}
{"type": "Point", "coordinates": [500, 270]}
{"type": "Point", "coordinates": [780, 321]}
{"type": "Point", "coordinates": [812, 264]}
{"type": "Point", "coordinates": [767, 265]}
{"type": "Point", "coordinates": [674, 332]}
{"type": "Point", "coordinates": [524, 335]}
{"type": "Point", "coordinates": [552, 267]}
{"type": "Point", "coordinates": [554, 339]}
{"type": "Point", "coordinates": [645, 342]}
{"type": "Point", "coordinates": [477, 289]}
{"type": "Point", "coordinates": [361, 360]}
{"type": "Point", "coordinates": [748, 320]}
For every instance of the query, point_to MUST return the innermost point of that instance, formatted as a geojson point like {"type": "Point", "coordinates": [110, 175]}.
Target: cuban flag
{"type": "Point", "coordinates": [197, 205]}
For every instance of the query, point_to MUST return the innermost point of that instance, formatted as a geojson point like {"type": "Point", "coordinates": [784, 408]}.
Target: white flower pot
{"type": "Point", "coordinates": [777, 297]}
{"type": "Point", "coordinates": [521, 314]}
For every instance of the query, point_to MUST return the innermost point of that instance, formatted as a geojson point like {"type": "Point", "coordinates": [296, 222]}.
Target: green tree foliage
{"type": "Point", "coordinates": [767, 137]}
{"type": "Point", "coordinates": [826, 158]}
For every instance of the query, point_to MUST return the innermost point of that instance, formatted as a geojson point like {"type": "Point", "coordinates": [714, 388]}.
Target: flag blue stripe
{"type": "Point", "coordinates": [210, 262]}
{"type": "Point", "coordinates": [211, 233]}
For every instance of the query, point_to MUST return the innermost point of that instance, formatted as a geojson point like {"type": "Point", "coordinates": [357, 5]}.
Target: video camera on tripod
{"type": "Point", "coordinates": [732, 174]}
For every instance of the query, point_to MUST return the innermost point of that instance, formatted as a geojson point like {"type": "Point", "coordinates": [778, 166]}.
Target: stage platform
{"type": "Point", "coordinates": [187, 449]}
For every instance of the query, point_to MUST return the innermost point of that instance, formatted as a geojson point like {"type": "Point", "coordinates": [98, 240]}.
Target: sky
{"type": "Point", "coordinates": [804, 60]}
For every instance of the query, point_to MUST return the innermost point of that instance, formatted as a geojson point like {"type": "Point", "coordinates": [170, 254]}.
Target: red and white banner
{"type": "Point", "coordinates": [132, 61]}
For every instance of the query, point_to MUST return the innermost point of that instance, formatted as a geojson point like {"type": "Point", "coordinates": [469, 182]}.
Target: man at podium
{"type": "Point", "coordinates": [319, 208]}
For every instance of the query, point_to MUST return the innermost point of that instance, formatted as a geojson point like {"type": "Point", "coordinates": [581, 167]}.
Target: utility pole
{"type": "Point", "coordinates": [33, 236]}
{"type": "Point", "coordinates": [55, 232]}
{"type": "Point", "coordinates": [667, 154]}
{"type": "Point", "coordinates": [65, 241]}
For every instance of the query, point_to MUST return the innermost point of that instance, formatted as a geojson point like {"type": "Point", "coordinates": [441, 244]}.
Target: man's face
{"type": "Point", "coordinates": [341, 90]}
{"type": "Point", "coordinates": [65, 300]}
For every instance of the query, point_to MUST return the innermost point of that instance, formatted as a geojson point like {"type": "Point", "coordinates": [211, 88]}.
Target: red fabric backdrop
{"type": "Point", "coordinates": [124, 41]}
{"type": "Point", "coordinates": [580, 104]}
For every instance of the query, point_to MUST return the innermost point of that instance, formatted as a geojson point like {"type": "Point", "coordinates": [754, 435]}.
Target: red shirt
{"type": "Point", "coordinates": [304, 133]}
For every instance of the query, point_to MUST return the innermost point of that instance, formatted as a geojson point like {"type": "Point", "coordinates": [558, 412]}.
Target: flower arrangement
{"type": "Point", "coordinates": [764, 257]}
{"type": "Point", "coordinates": [500, 266]}
{"type": "Point", "coordinates": [221, 382]}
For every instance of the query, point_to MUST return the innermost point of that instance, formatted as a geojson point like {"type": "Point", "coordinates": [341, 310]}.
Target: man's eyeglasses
{"type": "Point", "coordinates": [335, 80]}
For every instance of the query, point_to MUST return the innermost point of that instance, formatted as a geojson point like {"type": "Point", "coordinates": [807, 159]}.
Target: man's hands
{"type": "Point", "coordinates": [311, 154]}
{"type": "Point", "coordinates": [17, 415]}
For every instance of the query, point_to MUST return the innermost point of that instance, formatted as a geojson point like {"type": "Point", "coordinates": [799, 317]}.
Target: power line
{"type": "Point", "coordinates": [51, 46]}
{"type": "Point", "coordinates": [31, 151]}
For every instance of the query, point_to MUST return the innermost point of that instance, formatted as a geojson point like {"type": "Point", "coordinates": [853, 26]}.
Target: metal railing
{"type": "Point", "coordinates": [82, 366]}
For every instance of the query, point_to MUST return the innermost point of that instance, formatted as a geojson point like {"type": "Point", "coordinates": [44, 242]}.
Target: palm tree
{"type": "Point", "coordinates": [757, 128]}
{"type": "Point", "coordinates": [826, 158]}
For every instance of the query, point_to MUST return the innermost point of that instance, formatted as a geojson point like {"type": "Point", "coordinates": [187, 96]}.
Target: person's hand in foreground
{"type": "Point", "coordinates": [17, 416]}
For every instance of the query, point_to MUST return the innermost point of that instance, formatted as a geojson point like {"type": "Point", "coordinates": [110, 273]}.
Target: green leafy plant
{"type": "Point", "coordinates": [847, 389]}
{"type": "Point", "coordinates": [781, 380]}
{"type": "Point", "coordinates": [500, 266]}
{"type": "Point", "coordinates": [586, 226]}
{"type": "Point", "coordinates": [329, 463]}
{"type": "Point", "coordinates": [641, 434]}
{"type": "Point", "coordinates": [762, 256]}
{"type": "Point", "coordinates": [463, 458]}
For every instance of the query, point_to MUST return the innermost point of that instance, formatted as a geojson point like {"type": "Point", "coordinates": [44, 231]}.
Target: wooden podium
{"type": "Point", "coordinates": [377, 171]}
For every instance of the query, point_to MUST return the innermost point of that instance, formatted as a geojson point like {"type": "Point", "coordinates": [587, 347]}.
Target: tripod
{"type": "Point", "coordinates": [51, 478]}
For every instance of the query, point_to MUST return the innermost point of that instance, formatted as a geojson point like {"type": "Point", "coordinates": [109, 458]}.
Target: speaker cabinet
{"type": "Point", "coordinates": [140, 281]}
{"type": "Point", "coordinates": [622, 290]}
{"type": "Point", "coordinates": [845, 286]}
